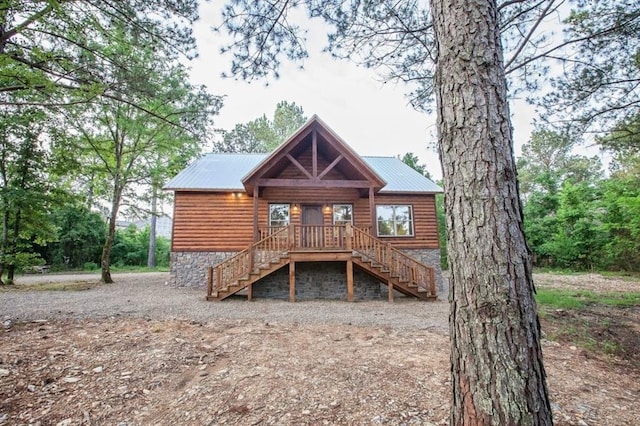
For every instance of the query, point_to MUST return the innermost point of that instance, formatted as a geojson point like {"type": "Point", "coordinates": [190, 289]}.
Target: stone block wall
{"type": "Point", "coordinates": [319, 280]}
{"type": "Point", "coordinates": [189, 269]}
{"type": "Point", "coordinates": [431, 257]}
{"type": "Point", "coordinates": [314, 280]}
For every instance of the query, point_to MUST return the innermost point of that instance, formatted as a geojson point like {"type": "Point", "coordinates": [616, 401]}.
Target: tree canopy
{"type": "Point", "coordinates": [58, 53]}
{"type": "Point", "coordinates": [263, 134]}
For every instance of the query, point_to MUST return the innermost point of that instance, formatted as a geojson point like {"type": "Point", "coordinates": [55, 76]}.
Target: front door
{"type": "Point", "coordinates": [312, 235]}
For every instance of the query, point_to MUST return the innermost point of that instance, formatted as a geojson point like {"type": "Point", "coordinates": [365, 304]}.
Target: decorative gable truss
{"type": "Point", "coordinates": [320, 159]}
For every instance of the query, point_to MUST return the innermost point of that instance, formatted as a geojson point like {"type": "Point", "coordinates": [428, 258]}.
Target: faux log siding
{"type": "Point", "coordinates": [205, 221]}
{"type": "Point", "coordinates": [425, 225]}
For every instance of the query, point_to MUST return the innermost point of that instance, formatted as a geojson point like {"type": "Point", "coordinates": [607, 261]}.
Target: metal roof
{"type": "Point", "coordinates": [224, 172]}
{"type": "Point", "coordinates": [216, 171]}
{"type": "Point", "coordinates": [399, 176]}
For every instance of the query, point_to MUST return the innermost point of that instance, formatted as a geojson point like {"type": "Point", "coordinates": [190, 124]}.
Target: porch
{"type": "Point", "coordinates": [287, 245]}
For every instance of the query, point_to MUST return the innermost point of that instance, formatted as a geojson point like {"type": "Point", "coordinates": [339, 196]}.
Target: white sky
{"type": "Point", "coordinates": [372, 117]}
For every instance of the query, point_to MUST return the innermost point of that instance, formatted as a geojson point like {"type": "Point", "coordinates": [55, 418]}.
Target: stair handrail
{"type": "Point", "coordinates": [230, 270]}
{"type": "Point", "coordinates": [399, 263]}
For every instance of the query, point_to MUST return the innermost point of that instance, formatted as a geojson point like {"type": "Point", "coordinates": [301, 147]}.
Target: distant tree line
{"type": "Point", "coordinates": [79, 238]}
{"type": "Point", "coordinates": [576, 216]}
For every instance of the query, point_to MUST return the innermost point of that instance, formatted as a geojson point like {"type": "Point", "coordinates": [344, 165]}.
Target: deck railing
{"type": "Point", "coordinates": [241, 264]}
{"type": "Point", "coordinates": [398, 263]}
{"type": "Point", "coordinates": [276, 242]}
{"type": "Point", "coordinates": [313, 237]}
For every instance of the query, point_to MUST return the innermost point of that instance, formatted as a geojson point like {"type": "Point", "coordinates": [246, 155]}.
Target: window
{"type": "Point", "coordinates": [394, 220]}
{"type": "Point", "coordinates": [342, 214]}
{"type": "Point", "coordinates": [279, 214]}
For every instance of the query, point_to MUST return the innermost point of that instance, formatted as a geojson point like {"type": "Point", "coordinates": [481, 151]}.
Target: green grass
{"type": "Point", "coordinates": [576, 299]}
{"type": "Point", "coordinates": [138, 269]}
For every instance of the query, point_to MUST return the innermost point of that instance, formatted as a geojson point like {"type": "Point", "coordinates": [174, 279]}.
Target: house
{"type": "Point", "coordinates": [313, 219]}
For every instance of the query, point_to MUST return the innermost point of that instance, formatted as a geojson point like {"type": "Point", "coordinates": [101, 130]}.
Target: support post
{"type": "Point", "coordinates": [350, 280]}
{"type": "Point", "coordinates": [372, 211]}
{"type": "Point", "coordinates": [390, 286]}
{"type": "Point", "coordinates": [250, 293]}
{"type": "Point", "coordinates": [210, 282]}
{"type": "Point", "coordinates": [292, 281]}
{"type": "Point", "coordinates": [256, 193]}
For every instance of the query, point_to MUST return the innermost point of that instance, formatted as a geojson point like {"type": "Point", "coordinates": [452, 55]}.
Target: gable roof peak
{"type": "Point", "coordinates": [321, 134]}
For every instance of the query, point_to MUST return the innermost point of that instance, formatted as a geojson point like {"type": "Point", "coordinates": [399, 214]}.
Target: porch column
{"type": "Point", "coordinates": [256, 192]}
{"type": "Point", "coordinates": [292, 281]}
{"type": "Point", "coordinates": [350, 280]}
{"type": "Point", "coordinates": [372, 211]}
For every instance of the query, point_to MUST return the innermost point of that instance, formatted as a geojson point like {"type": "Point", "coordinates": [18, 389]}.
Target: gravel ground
{"type": "Point", "coordinates": [146, 295]}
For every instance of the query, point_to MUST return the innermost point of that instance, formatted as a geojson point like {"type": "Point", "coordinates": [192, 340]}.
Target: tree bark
{"type": "Point", "coordinates": [497, 370]}
{"type": "Point", "coordinates": [105, 260]}
{"type": "Point", "coordinates": [151, 258]}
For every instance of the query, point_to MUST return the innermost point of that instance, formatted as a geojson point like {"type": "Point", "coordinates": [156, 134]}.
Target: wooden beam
{"type": "Point", "coordinates": [372, 211]}
{"type": "Point", "coordinates": [256, 191]}
{"type": "Point", "coordinates": [250, 292]}
{"type": "Point", "coordinates": [314, 150]}
{"type": "Point", "coordinates": [314, 183]}
{"type": "Point", "coordinates": [331, 166]}
{"type": "Point", "coordinates": [350, 280]}
{"type": "Point", "coordinates": [390, 286]}
{"type": "Point", "coordinates": [292, 281]}
{"type": "Point", "coordinates": [299, 166]}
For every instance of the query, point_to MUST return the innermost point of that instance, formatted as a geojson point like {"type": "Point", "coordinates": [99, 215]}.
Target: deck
{"type": "Point", "coordinates": [282, 246]}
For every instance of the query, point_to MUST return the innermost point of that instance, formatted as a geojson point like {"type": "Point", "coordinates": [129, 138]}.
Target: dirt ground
{"type": "Point", "coordinates": [136, 371]}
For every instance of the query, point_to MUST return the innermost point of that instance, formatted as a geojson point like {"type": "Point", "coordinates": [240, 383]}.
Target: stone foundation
{"type": "Point", "coordinates": [189, 269]}
{"type": "Point", "coordinates": [314, 280]}
{"type": "Point", "coordinates": [319, 280]}
{"type": "Point", "coordinates": [431, 257]}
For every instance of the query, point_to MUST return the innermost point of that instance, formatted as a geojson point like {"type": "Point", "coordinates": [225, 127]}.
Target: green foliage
{"type": "Point", "coordinates": [600, 82]}
{"type": "Point", "coordinates": [27, 192]}
{"type": "Point", "coordinates": [120, 146]}
{"type": "Point", "coordinates": [620, 217]}
{"type": "Point", "coordinates": [560, 191]}
{"type": "Point", "coordinates": [79, 238]}
{"type": "Point", "coordinates": [90, 266]}
{"type": "Point", "coordinates": [572, 299]}
{"type": "Point", "coordinates": [412, 160]}
{"type": "Point", "coordinates": [131, 247]}
{"type": "Point", "coordinates": [55, 53]}
{"type": "Point", "coordinates": [262, 134]}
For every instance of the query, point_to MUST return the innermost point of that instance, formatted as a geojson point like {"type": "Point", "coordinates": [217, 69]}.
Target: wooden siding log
{"type": "Point", "coordinates": [218, 221]}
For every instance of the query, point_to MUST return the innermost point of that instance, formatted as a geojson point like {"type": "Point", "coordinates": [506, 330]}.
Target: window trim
{"type": "Point", "coordinates": [412, 231]}
{"type": "Point", "coordinates": [270, 224]}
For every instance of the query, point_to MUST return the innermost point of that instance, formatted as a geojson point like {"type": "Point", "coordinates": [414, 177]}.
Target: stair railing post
{"type": "Point", "coordinates": [250, 260]}
{"type": "Point", "coordinates": [219, 281]}
{"type": "Point", "coordinates": [432, 282]}
{"type": "Point", "coordinates": [210, 281]}
{"type": "Point", "coordinates": [349, 236]}
{"type": "Point", "coordinates": [291, 236]}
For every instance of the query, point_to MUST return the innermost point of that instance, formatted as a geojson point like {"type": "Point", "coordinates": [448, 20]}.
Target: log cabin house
{"type": "Point", "coordinates": [312, 219]}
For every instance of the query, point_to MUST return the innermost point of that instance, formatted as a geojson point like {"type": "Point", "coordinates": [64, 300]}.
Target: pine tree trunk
{"type": "Point", "coordinates": [151, 258]}
{"type": "Point", "coordinates": [497, 371]}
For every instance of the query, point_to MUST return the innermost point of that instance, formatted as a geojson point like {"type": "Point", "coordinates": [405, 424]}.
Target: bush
{"type": "Point", "coordinates": [90, 266]}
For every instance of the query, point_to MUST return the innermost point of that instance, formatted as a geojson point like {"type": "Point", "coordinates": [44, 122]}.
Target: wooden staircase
{"type": "Point", "coordinates": [391, 266]}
